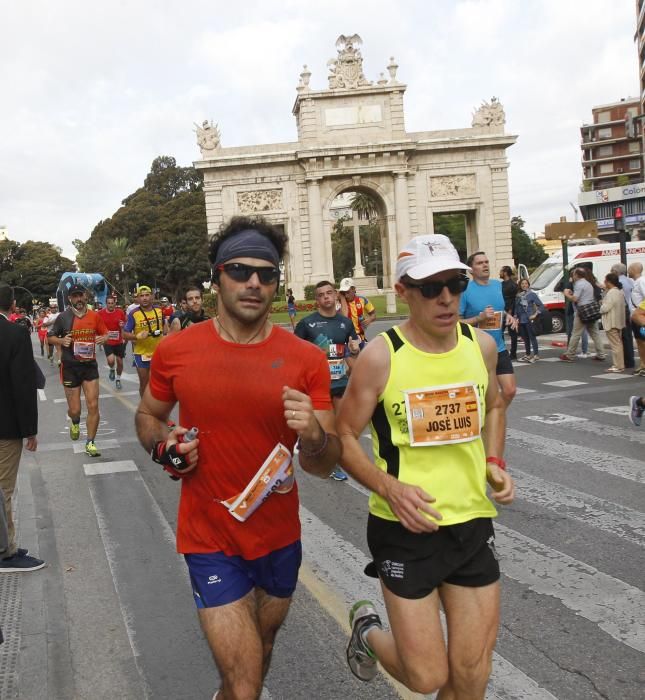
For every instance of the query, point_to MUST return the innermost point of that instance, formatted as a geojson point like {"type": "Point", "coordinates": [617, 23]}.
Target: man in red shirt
{"type": "Point", "coordinates": [77, 331]}
{"type": "Point", "coordinates": [252, 389]}
{"type": "Point", "coordinates": [114, 347]}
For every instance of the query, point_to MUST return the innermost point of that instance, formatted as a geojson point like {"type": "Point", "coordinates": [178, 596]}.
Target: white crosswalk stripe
{"type": "Point", "coordinates": [625, 467]}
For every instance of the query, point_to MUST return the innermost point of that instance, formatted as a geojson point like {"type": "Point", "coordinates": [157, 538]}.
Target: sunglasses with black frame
{"type": "Point", "coordinates": [431, 290]}
{"type": "Point", "coordinates": [239, 272]}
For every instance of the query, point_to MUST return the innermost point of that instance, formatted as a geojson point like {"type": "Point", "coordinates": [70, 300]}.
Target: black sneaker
{"type": "Point", "coordinates": [361, 659]}
{"type": "Point", "coordinates": [18, 563]}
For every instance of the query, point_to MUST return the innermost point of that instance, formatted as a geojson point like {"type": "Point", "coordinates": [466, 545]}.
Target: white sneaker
{"type": "Point", "coordinates": [583, 355]}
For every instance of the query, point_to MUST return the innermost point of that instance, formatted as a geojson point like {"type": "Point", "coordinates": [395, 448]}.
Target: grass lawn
{"type": "Point", "coordinates": [378, 301]}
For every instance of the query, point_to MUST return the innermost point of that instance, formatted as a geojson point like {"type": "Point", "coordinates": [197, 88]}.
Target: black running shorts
{"type": "Point", "coordinates": [118, 350]}
{"type": "Point", "coordinates": [74, 375]}
{"type": "Point", "coordinates": [504, 364]}
{"type": "Point", "coordinates": [412, 565]}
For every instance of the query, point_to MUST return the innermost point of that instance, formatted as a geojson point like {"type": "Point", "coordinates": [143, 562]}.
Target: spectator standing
{"type": "Point", "coordinates": [613, 320]}
{"type": "Point", "coordinates": [509, 292]}
{"type": "Point", "coordinates": [583, 297]}
{"type": "Point", "coordinates": [620, 271]}
{"type": "Point", "coordinates": [18, 422]}
{"type": "Point", "coordinates": [527, 308]}
{"type": "Point", "coordinates": [291, 308]}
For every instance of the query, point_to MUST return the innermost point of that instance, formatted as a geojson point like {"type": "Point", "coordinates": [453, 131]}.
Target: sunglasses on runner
{"type": "Point", "coordinates": [431, 290]}
{"type": "Point", "coordinates": [243, 273]}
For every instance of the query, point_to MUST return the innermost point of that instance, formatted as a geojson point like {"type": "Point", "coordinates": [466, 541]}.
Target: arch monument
{"type": "Point", "coordinates": [352, 137]}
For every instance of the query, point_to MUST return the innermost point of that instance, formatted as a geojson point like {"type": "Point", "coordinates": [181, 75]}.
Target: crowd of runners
{"type": "Point", "coordinates": [255, 402]}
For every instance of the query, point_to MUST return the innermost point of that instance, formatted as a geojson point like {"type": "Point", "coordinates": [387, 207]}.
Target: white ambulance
{"type": "Point", "coordinates": [547, 283]}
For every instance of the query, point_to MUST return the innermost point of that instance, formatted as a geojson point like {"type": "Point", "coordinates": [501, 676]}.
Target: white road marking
{"type": "Point", "coordinates": [616, 607]}
{"type": "Point", "coordinates": [521, 390]}
{"type": "Point", "coordinates": [618, 410]}
{"type": "Point", "coordinates": [340, 565]}
{"type": "Point", "coordinates": [610, 375]}
{"type": "Point", "coordinates": [549, 359]}
{"type": "Point", "coordinates": [607, 430]}
{"type": "Point", "coordinates": [41, 395]}
{"type": "Point", "coordinates": [626, 523]}
{"type": "Point", "coordinates": [95, 468]}
{"type": "Point", "coordinates": [563, 383]}
{"type": "Point", "coordinates": [625, 467]}
{"type": "Point", "coordinates": [555, 418]}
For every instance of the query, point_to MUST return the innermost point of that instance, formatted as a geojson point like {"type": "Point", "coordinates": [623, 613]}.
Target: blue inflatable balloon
{"type": "Point", "coordinates": [94, 282]}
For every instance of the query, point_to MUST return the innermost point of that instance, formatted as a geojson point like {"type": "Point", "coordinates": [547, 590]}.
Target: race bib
{"type": "Point", "coordinates": [83, 350]}
{"type": "Point", "coordinates": [114, 335]}
{"type": "Point", "coordinates": [337, 369]}
{"type": "Point", "coordinates": [443, 415]}
{"type": "Point", "coordinates": [146, 358]}
{"type": "Point", "coordinates": [492, 324]}
{"type": "Point", "coordinates": [274, 476]}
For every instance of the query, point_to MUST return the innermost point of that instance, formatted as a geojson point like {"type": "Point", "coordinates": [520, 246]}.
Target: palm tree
{"type": "Point", "coordinates": [119, 259]}
{"type": "Point", "coordinates": [365, 206]}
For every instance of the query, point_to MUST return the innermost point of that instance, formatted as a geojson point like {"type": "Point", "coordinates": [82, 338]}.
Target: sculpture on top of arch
{"type": "Point", "coordinates": [346, 71]}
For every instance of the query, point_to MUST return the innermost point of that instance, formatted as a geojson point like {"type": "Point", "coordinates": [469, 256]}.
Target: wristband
{"type": "Point", "coordinates": [172, 461]}
{"type": "Point", "coordinates": [501, 463]}
{"type": "Point", "coordinates": [318, 451]}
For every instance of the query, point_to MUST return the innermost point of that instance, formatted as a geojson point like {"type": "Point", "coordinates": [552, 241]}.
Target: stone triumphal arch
{"type": "Point", "coordinates": [352, 137]}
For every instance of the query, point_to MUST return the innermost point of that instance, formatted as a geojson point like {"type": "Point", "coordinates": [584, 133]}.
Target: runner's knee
{"type": "Point", "coordinates": [427, 679]}
{"type": "Point", "coordinates": [470, 673]}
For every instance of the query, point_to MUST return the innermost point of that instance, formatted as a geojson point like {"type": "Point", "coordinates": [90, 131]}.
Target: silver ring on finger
{"type": "Point", "coordinates": [293, 415]}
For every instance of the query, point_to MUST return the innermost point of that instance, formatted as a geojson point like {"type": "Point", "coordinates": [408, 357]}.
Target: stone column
{"type": "Point", "coordinates": [316, 236]}
{"type": "Point", "coordinates": [401, 209]}
{"type": "Point", "coordinates": [359, 270]}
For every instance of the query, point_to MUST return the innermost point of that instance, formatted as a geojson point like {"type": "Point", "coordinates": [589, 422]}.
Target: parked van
{"type": "Point", "coordinates": [547, 282]}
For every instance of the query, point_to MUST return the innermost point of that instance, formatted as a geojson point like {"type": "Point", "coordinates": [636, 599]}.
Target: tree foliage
{"type": "Point", "coordinates": [342, 248]}
{"type": "Point", "coordinates": [454, 227]}
{"type": "Point", "coordinates": [157, 237]}
{"type": "Point", "coordinates": [34, 268]}
{"type": "Point", "coordinates": [525, 249]}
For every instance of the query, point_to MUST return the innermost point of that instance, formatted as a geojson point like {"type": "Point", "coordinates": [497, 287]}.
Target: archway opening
{"type": "Point", "coordinates": [358, 237]}
{"type": "Point", "coordinates": [453, 225]}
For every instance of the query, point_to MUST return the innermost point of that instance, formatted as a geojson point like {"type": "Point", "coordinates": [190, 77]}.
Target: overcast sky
{"type": "Point", "coordinates": [91, 92]}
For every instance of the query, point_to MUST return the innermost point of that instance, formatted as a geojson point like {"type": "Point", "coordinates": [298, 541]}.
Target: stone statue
{"type": "Point", "coordinates": [346, 71]}
{"type": "Point", "coordinates": [489, 114]}
{"type": "Point", "coordinates": [208, 137]}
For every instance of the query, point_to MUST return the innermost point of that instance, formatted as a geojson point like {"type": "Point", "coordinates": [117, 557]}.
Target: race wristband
{"type": "Point", "coordinates": [316, 452]}
{"type": "Point", "coordinates": [501, 463]}
{"type": "Point", "coordinates": [170, 459]}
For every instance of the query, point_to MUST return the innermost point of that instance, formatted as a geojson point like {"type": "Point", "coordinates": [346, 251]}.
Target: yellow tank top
{"type": "Point", "coordinates": [454, 472]}
{"type": "Point", "coordinates": [151, 321]}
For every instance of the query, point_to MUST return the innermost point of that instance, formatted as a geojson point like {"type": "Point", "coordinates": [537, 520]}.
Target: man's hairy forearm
{"type": "Point", "coordinates": [149, 429]}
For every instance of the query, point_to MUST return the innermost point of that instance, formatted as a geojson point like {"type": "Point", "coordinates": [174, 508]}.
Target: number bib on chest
{"type": "Point", "coordinates": [337, 369]}
{"type": "Point", "coordinates": [492, 324]}
{"type": "Point", "coordinates": [114, 335]}
{"type": "Point", "coordinates": [83, 350]}
{"type": "Point", "coordinates": [443, 415]}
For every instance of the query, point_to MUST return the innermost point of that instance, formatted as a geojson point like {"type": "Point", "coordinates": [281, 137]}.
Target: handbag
{"type": "Point", "coordinates": [588, 313]}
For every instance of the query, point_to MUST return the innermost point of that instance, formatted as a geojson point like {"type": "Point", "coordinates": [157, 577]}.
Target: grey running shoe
{"type": "Point", "coordinates": [635, 411]}
{"type": "Point", "coordinates": [360, 657]}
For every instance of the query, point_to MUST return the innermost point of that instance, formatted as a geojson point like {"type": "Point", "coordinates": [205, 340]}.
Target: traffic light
{"type": "Point", "coordinates": [619, 219]}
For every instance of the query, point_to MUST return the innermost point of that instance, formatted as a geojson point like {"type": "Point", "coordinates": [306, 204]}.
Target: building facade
{"type": "Point", "coordinates": [352, 138]}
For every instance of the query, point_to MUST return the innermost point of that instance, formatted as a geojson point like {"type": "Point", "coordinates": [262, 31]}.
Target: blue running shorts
{"type": "Point", "coordinates": [218, 579]}
{"type": "Point", "coordinates": [140, 363]}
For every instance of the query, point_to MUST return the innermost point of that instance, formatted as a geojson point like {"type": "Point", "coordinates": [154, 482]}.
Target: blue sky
{"type": "Point", "coordinates": [92, 92]}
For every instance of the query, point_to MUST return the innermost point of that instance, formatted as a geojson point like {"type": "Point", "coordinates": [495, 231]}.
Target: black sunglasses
{"type": "Point", "coordinates": [431, 290]}
{"type": "Point", "coordinates": [243, 273]}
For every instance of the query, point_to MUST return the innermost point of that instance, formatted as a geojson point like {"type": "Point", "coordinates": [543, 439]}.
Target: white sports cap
{"type": "Point", "coordinates": [426, 255]}
{"type": "Point", "coordinates": [346, 284]}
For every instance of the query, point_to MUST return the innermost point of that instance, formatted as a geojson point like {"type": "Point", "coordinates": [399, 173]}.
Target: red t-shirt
{"type": "Point", "coordinates": [167, 311]}
{"type": "Point", "coordinates": [114, 320]}
{"type": "Point", "coordinates": [233, 394]}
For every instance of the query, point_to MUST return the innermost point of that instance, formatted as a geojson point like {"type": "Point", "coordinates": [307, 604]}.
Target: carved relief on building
{"type": "Point", "coordinates": [259, 200]}
{"type": "Point", "coordinates": [452, 186]}
{"type": "Point", "coordinates": [346, 71]}
{"type": "Point", "coordinates": [208, 138]}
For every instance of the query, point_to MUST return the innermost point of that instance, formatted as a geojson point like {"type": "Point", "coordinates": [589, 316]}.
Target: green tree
{"type": "Point", "coordinates": [342, 248]}
{"type": "Point", "coordinates": [161, 229]}
{"type": "Point", "coordinates": [525, 249]}
{"type": "Point", "coordinates": [8, 250]}
{"type": "Point", "coordinates": [365, 206]}
{"type": "Point", "coordinates": [454, 227]}
{"type": "Point", "coordinates": [37, 267]}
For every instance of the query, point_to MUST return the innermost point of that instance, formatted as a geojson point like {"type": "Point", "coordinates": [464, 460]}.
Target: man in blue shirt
{"type": "Point", "coordinates": [334, 334]}
{"type": "Point", "coordinates": [482, 305]}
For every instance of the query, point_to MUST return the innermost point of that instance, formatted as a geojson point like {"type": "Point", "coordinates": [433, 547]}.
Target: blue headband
{"type": "Point", "coordinates": [247, 244]}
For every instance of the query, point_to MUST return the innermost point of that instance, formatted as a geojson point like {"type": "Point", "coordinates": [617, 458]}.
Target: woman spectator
{"type": "Point", "coordinates": [613, 320]}
{"type": "Point", "coordinates": [527, 307]}
{"type": "Point", "coordinates": [291, 308]}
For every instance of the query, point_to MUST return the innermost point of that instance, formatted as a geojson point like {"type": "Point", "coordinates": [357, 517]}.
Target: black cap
{"type": "Point", "coordinates": [76, 289]}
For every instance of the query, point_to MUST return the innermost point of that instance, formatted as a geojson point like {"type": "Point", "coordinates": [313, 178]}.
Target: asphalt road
{"type": "Point", "coordinates": [112, 615]}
